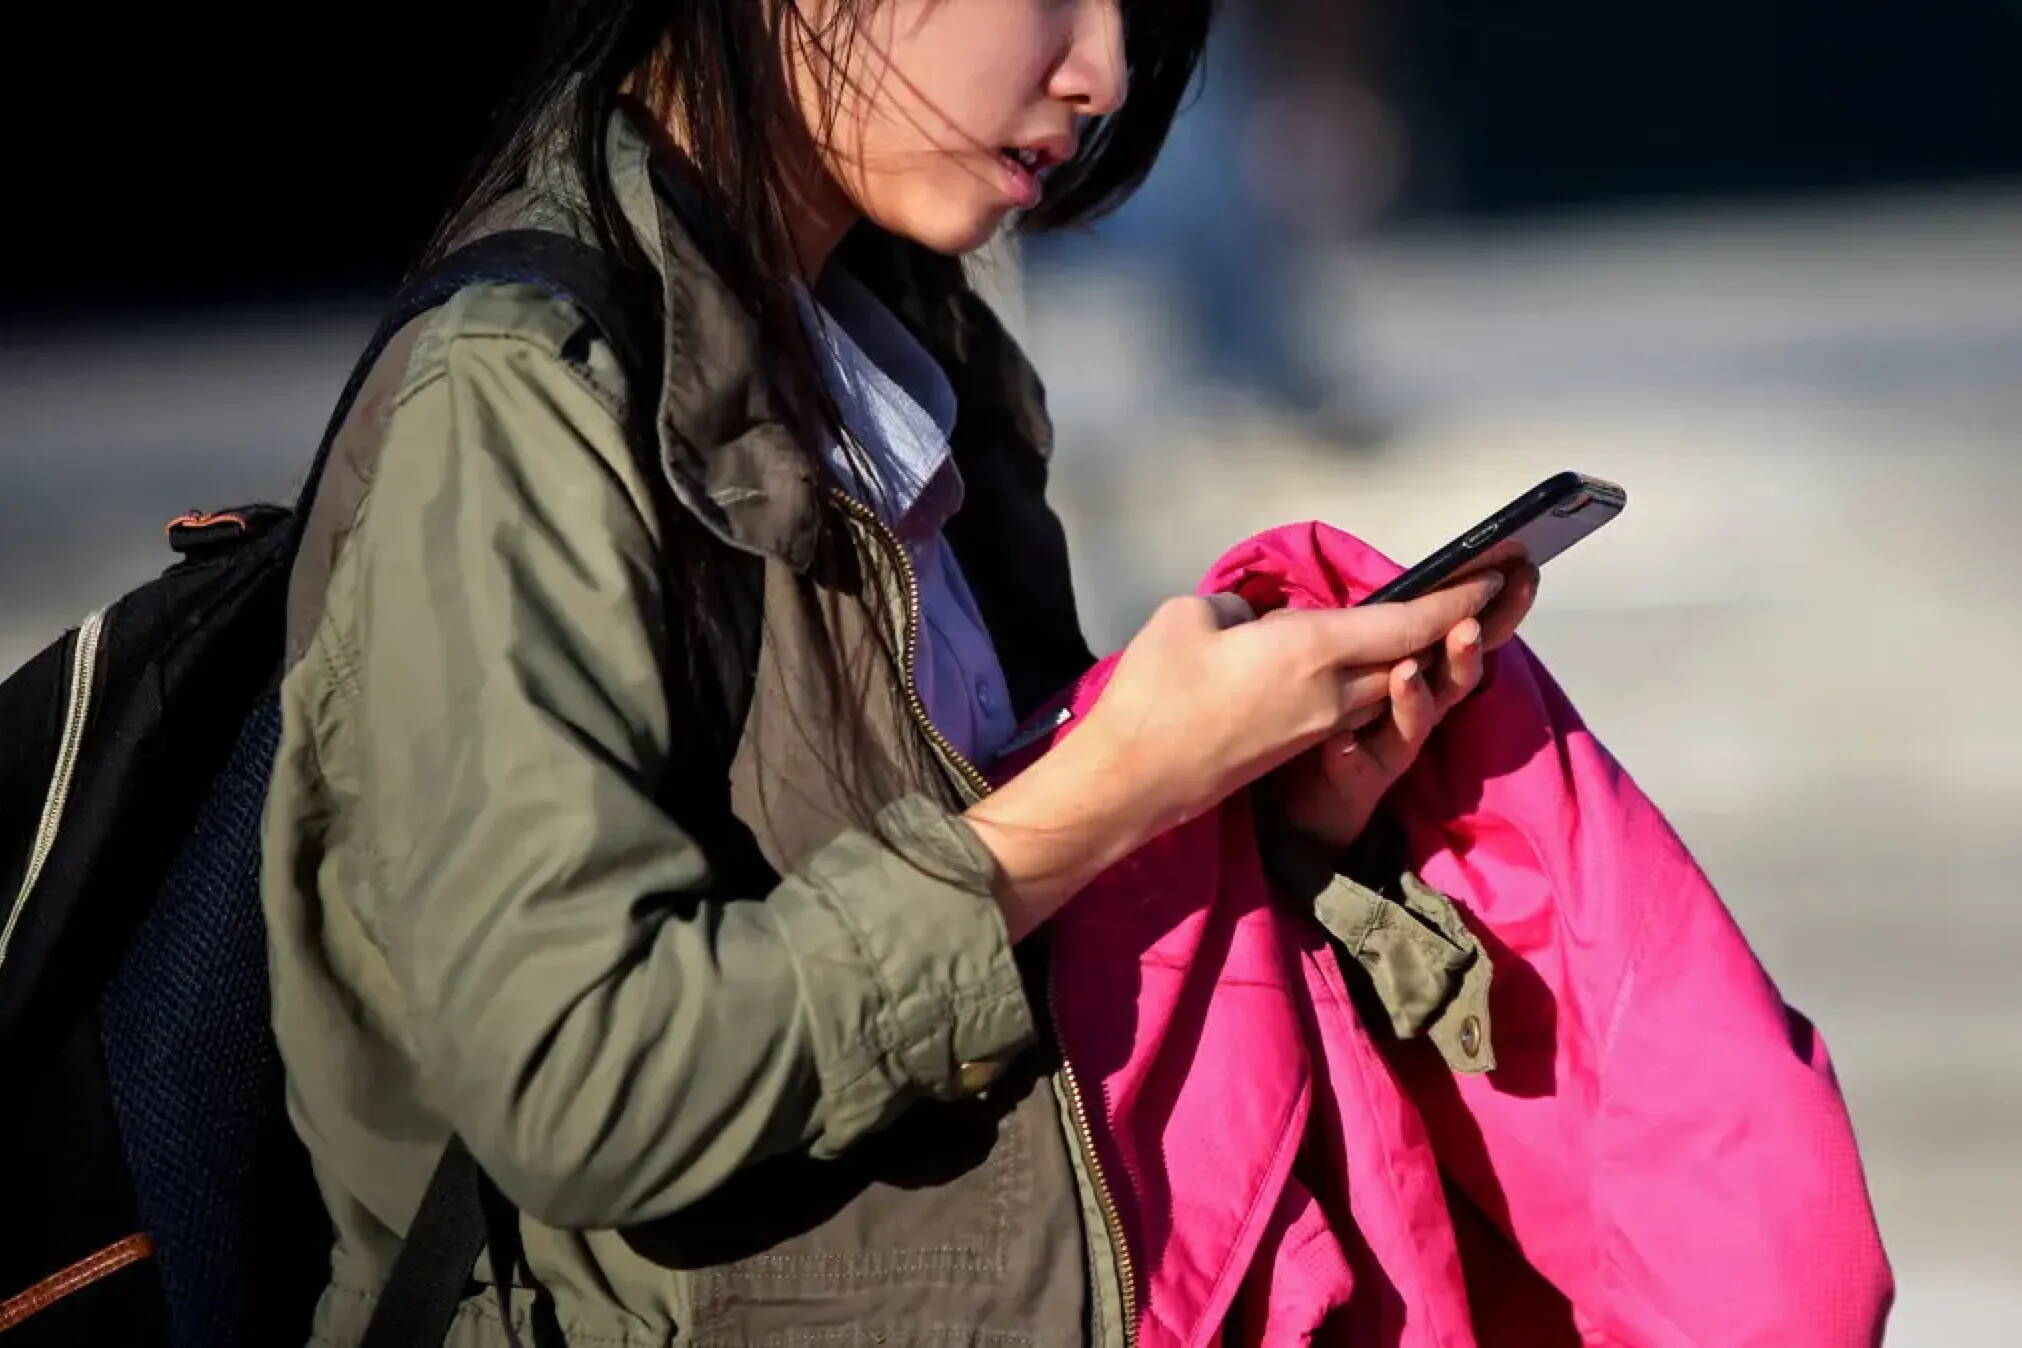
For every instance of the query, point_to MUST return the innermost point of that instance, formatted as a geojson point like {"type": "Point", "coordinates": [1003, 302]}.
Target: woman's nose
{"type": "Point", "coordinates": [1092, 76]}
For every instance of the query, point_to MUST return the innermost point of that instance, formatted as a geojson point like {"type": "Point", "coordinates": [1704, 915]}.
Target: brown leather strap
{"type": "Point", "coordinates": [81, 1274]}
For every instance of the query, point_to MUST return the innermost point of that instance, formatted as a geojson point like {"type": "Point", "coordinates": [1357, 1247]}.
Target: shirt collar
{"type": "Point", "coordinates": [894, 398]}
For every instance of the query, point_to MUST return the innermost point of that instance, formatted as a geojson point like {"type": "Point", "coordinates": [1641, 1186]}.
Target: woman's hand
{"type": "Point", "coordinates": [1332, 790]}
{"type": "Point", "coordinates": [1201, 704]}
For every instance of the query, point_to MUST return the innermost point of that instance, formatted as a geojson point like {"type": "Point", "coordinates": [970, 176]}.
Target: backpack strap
{"type": "Point", "coordinates": [462, 1211]}
{"type": "Point", "coordinates": [431, 1275]}
{"type": "Point", "coordinates": [557, 263]}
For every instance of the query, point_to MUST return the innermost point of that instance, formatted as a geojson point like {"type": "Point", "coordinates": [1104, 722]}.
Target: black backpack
{"type": "Point", "coordinates": [153, 1188]}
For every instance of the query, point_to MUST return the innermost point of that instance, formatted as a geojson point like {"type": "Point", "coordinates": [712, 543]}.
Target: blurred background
{"type": "Point", "coordinates": [1760, 261]}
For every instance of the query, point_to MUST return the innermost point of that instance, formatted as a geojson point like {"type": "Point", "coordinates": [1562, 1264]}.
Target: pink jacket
{"type": "Point", "coordinates": [1660, 1156]}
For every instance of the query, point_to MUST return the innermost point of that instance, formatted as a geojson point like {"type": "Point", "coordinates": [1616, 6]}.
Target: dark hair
{"type": "Point", "coordinates": [715, 68]}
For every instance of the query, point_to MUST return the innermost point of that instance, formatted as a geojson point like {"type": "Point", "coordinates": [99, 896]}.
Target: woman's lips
{"type": "Point", "coordinates": [1021, 184]}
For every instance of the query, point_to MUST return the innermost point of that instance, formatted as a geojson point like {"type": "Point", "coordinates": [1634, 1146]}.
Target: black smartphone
{"type": "Point", "coordinates": [1539, 525]}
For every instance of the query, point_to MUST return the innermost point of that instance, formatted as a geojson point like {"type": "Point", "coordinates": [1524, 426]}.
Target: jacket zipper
{"type": "Point", "coordinates": [1077, 1106]}
{"type": "Point", "coordinates": [980, 786]}
{"type": "Point", "coordinates": [83, 671]}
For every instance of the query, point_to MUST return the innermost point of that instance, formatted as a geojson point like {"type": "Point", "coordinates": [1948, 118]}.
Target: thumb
{"type": "Point", "coordinates": [1230, 609]}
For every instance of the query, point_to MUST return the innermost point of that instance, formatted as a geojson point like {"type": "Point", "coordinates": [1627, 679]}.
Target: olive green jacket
{"type": "Point", "coordinates": [750, 1073]}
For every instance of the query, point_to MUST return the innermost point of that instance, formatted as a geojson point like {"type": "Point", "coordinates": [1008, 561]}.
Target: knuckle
{"type": "Point", "coordinates": [1314, 654]}
{"type": "Point", "coordinates": [1325, 723]}
{"type": "Point", "coordinates": [1424, 629]}
{"type": "Point", "coordinates": [1177, 612]}
{"type": "Point", "coordinates": [1297, 650]}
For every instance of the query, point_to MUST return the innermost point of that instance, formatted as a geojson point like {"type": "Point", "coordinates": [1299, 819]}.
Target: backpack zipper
{"type": "Point", "coordinates": [979, 785]}
{"type": "Point", "coordinates": [83, 669]}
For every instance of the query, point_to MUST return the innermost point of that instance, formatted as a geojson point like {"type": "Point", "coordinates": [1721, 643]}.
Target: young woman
{"type": "Point", "coordinates": [629, 822]}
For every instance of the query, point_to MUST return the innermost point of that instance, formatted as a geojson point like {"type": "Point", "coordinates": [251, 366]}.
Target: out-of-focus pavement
{"type": "Point", "coordinates": [1803, 637]}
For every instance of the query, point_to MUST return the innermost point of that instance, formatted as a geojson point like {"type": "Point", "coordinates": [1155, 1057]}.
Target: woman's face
{"type": "Point", "coordinates": [947, 113]}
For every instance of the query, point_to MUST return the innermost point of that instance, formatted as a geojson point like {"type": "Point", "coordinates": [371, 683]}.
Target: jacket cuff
{"type": "Point", "coordinates": [909, 977]}
{"type": "Point", "coordinates": [1429, 971]}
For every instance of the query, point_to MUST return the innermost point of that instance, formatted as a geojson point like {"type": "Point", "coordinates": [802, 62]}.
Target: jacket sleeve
{"type": "Point", "coordinates": [611, 1037]}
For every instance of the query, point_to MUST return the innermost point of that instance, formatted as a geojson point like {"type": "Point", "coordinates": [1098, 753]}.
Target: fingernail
{"type": "Point", "coordinates": [1409, 669]}
{"type": "Point", "coordinates": [1471, 638]}
{"type": "Point", "coordinates": [1496, 580]}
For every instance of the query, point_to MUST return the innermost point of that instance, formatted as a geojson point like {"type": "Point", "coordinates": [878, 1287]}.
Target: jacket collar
{"type": "Point", "coordinates": [728, 450]}
{"type": "Point", "coordinates": [725, 446]}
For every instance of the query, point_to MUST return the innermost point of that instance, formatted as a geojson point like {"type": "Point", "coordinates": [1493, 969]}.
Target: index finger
{"type": "Point", "coordinates": [1379, 632]}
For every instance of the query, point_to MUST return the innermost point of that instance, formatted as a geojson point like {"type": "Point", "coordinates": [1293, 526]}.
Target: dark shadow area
{"type": "Point", "coordinates": [1510, 1303]}
{"type": "Point", "coordinates": [1573, 102]}
{"type": "Point", "coordinates": [181, 158]}
{"type": "Point", "coordinates": [933, 1144]}
{"type": "Point", "coordinates": [186, 158]}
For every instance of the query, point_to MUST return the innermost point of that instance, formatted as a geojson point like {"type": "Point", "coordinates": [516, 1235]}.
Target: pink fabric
{"type": "Point", "coordinates": [1663, 1139]}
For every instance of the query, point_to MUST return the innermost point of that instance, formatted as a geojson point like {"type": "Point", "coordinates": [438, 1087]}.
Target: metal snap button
{"type": "Point", "coordinates": [1470, 1036]}
{"type": "Point", "coordinates": [973, 1078]}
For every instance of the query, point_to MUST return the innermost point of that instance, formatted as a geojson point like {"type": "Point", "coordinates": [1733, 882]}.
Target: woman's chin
{"type": "Point", "coordinates": [955, 234]}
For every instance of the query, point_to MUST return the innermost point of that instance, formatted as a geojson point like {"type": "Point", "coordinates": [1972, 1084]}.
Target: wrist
{"type": "Point", "coordinates": [1075, 812]}
{"type": "Point", "coordinates": [1110, 781]}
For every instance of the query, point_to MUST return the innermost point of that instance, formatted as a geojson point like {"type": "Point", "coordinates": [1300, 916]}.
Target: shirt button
{"type": "Point", "coordinates": [986, 696]}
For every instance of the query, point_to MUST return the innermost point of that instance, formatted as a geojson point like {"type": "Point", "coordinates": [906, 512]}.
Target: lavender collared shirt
{"type": "Point", "coordinates": [896, 401]}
